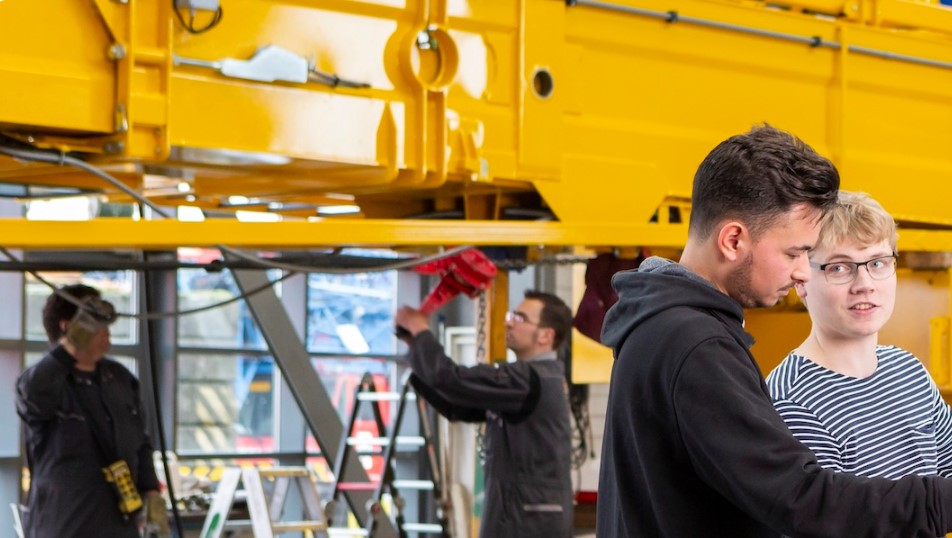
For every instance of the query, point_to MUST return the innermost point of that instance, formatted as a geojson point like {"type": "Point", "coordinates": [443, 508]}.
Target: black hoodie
{"type": "Point", "coordinates": [694, 447]}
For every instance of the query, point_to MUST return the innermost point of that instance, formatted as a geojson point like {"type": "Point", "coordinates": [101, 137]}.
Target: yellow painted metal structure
{"type": "Point", "coordinates": [596, 111]}
{"type": "Point", "coordinates": [593, 115]}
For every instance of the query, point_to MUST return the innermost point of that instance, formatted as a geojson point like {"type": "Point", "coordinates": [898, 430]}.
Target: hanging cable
{"type": "Point", "coordinates": [190, 25]}
{"type": "Point", "coordinates": [334, 81]}
{"type": "Point", "coordinates": [63, 159]}
{"type": "Point", "coordinates": [157, 407]}
{"type": "Point", "coordinates": [582, 442]}
{"type": "Point", "coordinates": [403, 264]}
{"type": "Point", "coordinates": [152, 315]}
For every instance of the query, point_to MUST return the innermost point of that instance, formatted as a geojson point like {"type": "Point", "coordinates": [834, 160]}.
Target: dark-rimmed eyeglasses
{"type": "Point", "coordinates": [516, 316]}
{"type": "Point", "coordinates": [845, 272]}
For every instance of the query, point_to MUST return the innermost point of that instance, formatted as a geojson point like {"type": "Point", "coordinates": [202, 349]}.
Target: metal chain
{"type": "Point", "coordinates": [481, 329]}
{"type": "Point", "coordinates": [480, 359]}
{"type": "Point", "coordinates": [554, 260]}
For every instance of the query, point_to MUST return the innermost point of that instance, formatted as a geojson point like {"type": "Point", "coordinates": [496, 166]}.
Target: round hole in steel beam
{"type": "Point", "coordinates": [542, 83]}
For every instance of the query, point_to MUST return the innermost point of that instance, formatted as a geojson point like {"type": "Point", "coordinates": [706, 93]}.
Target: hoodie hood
{"type": "Point", "coordinates": [657, 285]}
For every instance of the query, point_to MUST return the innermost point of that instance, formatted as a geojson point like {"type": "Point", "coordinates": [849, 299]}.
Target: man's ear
{"type": "Point", "coordinates": [546, 336]}
{"type": "Point", "coordinates": [63, 324]}
{"type": "Point", "coordinates": [733, 240]}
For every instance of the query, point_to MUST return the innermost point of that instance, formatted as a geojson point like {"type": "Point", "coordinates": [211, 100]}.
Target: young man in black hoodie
{"type": "Point", "coordinates": [693, 445]}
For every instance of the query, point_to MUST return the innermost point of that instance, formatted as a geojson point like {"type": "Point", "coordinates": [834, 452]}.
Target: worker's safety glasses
{"type": "Point", "coordinates": [516, 316]}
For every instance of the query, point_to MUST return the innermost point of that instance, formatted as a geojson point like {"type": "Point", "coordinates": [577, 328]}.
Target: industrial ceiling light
{"type": "Point", "coordinates": [66, 208]}
{"type": "Point", "coordinates": [188, 213]}
{"type": "Point", "coordinates": [256, 216]}
{"type": "Point", "coordinates": [338, 210]}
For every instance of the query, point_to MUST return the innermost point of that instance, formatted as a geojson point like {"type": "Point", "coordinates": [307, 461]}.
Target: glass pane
{"type": "Point", "coordinates": [117, 287]}
{"type": "Point", "coordinates": [341, 378]}
{"type": "Point", "coordinates": [225, 403]}
{"type": "Point", "coordinates": [256, 412]}
{"type": "Point", "coordinates": [228, 326]}
{"type": "Point", "coordinates": [351, 313]}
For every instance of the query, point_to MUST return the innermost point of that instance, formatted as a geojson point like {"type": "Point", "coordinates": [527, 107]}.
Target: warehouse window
{"type": "Point", "coordinates": [352, 313]}
{"type": "Point", "coordinates": [229, 326]}
{"type": "Point", "coordinates": [225, 403]}
{"type": "Point", "coordinates": [224, 395]}
{"type": "Point", "coordinates": [118, 287]}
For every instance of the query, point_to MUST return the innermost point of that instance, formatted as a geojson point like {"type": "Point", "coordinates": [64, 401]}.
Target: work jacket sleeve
{"type": "Point", "coordinates": [443, 406]}
{"type": "Point", "coordinates": [40, 393]}
{"type": "Point", "coordinates": [507, 388]}
{"type": "Point", "coordinates": [740, 446]}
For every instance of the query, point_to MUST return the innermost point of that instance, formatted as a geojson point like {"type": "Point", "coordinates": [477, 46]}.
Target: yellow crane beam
{"type": "Point", "coordinates": [109, 233]}
{"type": "Point", "coordinates": [597, 111]}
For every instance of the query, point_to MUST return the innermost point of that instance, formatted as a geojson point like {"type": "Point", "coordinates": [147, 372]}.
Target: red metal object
{"type": "Point", "coordinates": [586, 497]}
{"type": "Point", "coordinates": [468, 272]}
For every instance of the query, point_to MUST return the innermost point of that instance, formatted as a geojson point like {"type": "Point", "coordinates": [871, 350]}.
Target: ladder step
{"type": "Point", "coordinates": [382, 396]}
{"type": "Point", "coordinates": [284, 471]}
{"type": "Point", "coordinates": [344, 531]}
{"type": "Point", "coordinates": [422, 485]}
{"type": "Point", "coordinates": [281, 526]}
{"type": "Point", "coordinates": [289, 526]}
{"type": "Point", "coordinates": [426, 528]}
{"type": "Point", "coordinates": [357, 486]}
{"type": "Point", "coordinates": [384, 441]}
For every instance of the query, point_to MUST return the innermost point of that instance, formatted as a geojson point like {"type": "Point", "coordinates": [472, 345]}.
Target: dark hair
{"type": "Point", "coordinates": [58, 309]}
{"type": "Point", "coordinates": [758, 176]}
{"type": "Point", "coordinates": [555, 314]}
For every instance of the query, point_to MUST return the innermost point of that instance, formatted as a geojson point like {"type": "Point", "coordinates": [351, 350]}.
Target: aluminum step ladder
{"type": "Point", "coordinates": [265, 513]}
{"type": "Point", "coordinates": [17, 524]}
{"type": "Point", "coordinates": [386, 445]}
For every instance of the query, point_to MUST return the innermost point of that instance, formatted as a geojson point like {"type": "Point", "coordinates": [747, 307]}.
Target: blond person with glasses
{"type": "Point", "coordinates": [525, 407]}
{"type": "Point", "coordinates": [862, 407]}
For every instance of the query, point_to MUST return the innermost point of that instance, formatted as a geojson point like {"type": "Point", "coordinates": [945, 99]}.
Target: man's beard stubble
{"type": "Point", "coordinates": [740, 289]}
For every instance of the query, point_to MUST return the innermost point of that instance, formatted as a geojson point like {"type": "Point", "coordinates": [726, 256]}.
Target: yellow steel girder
{"type": "Point", "coordinates": [169, 234]}
{"type": "Point", "coordinates": [107, 233]}
{"type": "Point", "coordinates": [601, 108]}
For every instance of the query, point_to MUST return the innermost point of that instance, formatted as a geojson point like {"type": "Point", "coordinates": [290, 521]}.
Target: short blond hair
{"type": "Point", "coordinates": [857, 217]}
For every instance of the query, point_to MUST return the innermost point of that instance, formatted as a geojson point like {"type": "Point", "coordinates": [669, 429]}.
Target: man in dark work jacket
{"type": "Point", "coordinates": [78, 406]}
{"type": "Point", "coordinates": [525, 407]}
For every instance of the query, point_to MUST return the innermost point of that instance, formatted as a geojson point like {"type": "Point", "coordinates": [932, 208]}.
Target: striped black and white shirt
{"type": "Point", "coordinates": [891, 424]}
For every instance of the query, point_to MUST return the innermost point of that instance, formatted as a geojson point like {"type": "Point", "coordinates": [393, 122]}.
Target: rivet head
{"type": "Point", "coordinates": [116, 52]}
